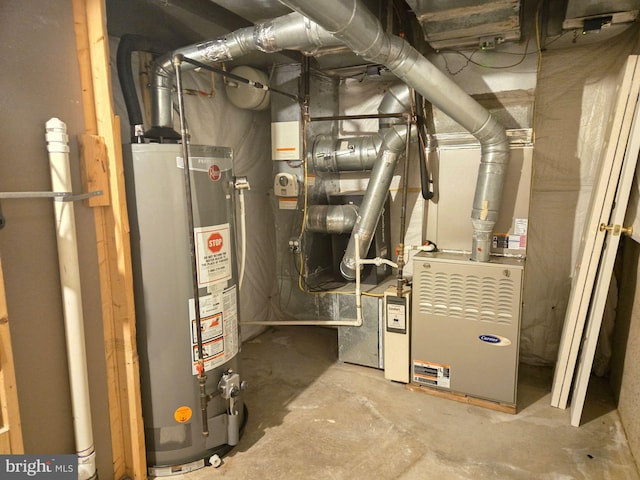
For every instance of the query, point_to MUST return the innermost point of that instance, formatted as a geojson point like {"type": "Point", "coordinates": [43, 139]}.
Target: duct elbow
{"type": "Point", "coordinates": [347, 270]}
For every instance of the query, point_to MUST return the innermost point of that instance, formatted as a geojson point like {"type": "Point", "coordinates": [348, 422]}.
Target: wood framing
{"type": "Point", "coordinates": [10, 426]}
{"type": "Point", "coordinates": [114, 250]}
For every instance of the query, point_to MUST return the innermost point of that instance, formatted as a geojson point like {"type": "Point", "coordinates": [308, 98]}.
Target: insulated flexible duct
{"type": "Point", "coordinates": [360, 30]}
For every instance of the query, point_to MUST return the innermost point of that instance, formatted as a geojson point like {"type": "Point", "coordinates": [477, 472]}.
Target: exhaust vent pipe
{"type": "Point", "coordinates": [350, 22]}
{"type": "Point", "coordinates": [332, 219]}
{"type": "Point", "coordinates": [289, 32]}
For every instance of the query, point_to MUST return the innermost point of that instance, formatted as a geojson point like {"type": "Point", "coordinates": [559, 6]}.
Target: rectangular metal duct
{"type": "Point", "coordinates": [609, 12]}
{"type": "Point", "coordinates": [589, 8]}
{"type": "Point", "coordinates": [468, 22]}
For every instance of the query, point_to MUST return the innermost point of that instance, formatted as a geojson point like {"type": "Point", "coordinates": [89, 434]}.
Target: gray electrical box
{"type": "Point", "coordinates": [466, 325]}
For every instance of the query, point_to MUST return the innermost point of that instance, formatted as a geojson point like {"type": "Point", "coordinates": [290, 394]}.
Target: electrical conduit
{"type": "Point", "coordinates": [57, 145]}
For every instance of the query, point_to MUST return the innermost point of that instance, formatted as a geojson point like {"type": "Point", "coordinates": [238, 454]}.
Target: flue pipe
{"type": "Point", "coordinates": [289, 32]}
{"type": "Point", "coordinates": [58, 148]}
{"type": "Point", "coordinates": [350, 22]}
{"type": "Point", "coordinates": [374, 197]}
{"type": "Point", "coordinates": [331, 219]}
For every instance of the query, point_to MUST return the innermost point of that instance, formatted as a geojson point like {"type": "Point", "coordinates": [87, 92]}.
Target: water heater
{"type": "Point", "coordinates": [164, 299]}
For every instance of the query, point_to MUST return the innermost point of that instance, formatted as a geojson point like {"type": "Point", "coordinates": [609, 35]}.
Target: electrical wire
{"type": "Point", "coordinates": [470, 59]}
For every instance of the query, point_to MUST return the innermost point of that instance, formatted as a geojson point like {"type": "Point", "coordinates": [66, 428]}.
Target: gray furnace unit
{"type": "Point", "coordinates": [466, 325]}
{"type": "Point", "coordinates": [163, 285]}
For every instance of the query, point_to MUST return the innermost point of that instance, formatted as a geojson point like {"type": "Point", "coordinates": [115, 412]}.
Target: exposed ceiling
{"type": "Point", "coordinates": [443, 24]}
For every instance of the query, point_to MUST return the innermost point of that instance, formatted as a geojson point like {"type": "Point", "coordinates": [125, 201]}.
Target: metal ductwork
{"type": "Point", "coordinates": [378, 153]}
{"type": "Point", "coordinates": [290, 32]}
{"type": "Point", "coordinates": [353, 154]}
{"type": "Point", "coordinates": [350, 22]}
{"type": "Point", "coordinates": [393, 139]}
{"type": "Point", "coordinates": [332, 219]}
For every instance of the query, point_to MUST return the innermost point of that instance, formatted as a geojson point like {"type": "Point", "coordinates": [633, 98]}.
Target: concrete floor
{"type": "Point", "coordinates": [312, 417]}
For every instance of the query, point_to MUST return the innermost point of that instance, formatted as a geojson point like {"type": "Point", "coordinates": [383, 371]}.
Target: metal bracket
{"type": "Point", "coordinates": [57, 196]}
{"type": "Point", "coordinates": [616, 229]}
{"type": "Point", "coordinates": [241, 183]}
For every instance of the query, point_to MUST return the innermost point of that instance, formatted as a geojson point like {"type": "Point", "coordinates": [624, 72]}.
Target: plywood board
{"type": "Point", "coordinates": [592, 241]}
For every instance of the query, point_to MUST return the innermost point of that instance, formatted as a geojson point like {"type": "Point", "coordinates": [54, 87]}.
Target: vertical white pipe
{"type": "Point", "coordinates": [58, 147]}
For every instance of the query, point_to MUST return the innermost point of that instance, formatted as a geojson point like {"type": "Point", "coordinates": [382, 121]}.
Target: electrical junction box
{"type": "Point", "coordinates": [466, 324]}
{"type": "Point", "coordinates": [285, 185]}
{"type": "Point", "coordinates": [397, 326]}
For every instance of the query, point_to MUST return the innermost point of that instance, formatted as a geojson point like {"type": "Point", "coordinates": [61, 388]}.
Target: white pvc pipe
{"type": "Point", "coordinates": [243, 233]}
{"type": "Point", "coordinates": [334, 323]}
{"type": "Point", "coordinates": [58, 147]}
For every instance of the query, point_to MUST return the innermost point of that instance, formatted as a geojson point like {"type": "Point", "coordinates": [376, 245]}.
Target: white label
{"type": "Point", "coordinates": [288, 203]}
{"type": "Point", "coordinates": [219, 327]}
{"type": "Point", "coordinates": [396, 318]}
{"type": "Point", "coordinates": [285, 141]}
{"type": "Point", "coordinates": [520, 226]}
{"type": "Point", "coordinates": [213, 253]}
{"type": "Point", "coordinates": [429, 373]}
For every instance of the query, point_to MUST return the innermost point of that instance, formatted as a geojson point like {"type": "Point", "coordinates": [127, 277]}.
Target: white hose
{"type": "Point", "coordinates": [57, 145]}
{"type": "Point", "coordinates": [243, 234]}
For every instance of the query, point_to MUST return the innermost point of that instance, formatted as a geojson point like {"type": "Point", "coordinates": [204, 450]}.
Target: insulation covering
{"type": "Point", "coordinates": [576, 87]}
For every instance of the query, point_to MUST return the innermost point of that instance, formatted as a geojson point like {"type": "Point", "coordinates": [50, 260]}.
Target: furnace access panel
{"type": "Point", "coordinates": [466, 325]}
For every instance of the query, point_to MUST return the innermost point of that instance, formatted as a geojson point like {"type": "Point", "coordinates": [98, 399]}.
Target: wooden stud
{"type": "Point", "coordinates": [11, 427]}
{"type": "Point", "coordinates": [114, 250]}
{"type": "Point", "coordinates": [95, 169]}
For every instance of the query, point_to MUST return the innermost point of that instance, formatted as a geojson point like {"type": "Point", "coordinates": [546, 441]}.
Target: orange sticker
{"type": "Point", "coordinates": [182, 414]}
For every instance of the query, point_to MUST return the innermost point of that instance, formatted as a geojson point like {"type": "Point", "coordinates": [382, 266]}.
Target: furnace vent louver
{"type": "Point", "coordinates": [488, 298]}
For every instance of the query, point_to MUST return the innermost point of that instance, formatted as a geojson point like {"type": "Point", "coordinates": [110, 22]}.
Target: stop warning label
{"type": "Point", "coordinates": [213, 253]}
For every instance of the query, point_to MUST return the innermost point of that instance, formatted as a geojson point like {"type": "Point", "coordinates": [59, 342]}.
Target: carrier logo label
{"type": "Point", "coordinates": [496, 340]}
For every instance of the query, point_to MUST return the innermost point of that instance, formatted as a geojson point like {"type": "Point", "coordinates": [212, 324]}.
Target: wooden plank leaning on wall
{"type": "Point", "coordinates": [114, 249]}
{"type": "Point", "coordinates": [10, 426]}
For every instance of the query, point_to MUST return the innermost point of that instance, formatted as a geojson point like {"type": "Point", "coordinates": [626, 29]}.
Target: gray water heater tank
{"type": "Point", "coordinates": [165, 314]}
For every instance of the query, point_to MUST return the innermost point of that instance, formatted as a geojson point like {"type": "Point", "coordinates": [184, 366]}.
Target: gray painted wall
{"type": "Point", "coordinates": [40, 80]}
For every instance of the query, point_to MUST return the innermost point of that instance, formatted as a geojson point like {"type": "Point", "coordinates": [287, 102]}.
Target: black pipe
{"type": "Point", "coordinates": [425, 180]}
{"type": "Point", "coordinates": [130, 43]}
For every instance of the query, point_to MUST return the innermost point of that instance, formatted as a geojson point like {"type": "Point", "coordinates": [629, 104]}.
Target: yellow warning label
{"type": "Point", "coordinates": [182, 414]}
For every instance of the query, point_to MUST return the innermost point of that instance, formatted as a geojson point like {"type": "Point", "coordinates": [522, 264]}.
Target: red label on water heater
{"type": "Point", "coordinates": [214, 172]}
